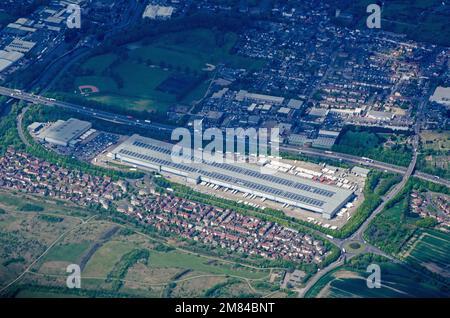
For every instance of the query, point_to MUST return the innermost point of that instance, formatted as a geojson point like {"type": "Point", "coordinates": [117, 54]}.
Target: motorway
{"type": "Point", "coordinates": [83, 110]}
{"type": "Point", "coordinates": [163, 128]}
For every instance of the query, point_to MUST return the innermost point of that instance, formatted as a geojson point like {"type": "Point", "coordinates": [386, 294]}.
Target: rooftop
{"type": "Point", "coordinates": [245, 177]}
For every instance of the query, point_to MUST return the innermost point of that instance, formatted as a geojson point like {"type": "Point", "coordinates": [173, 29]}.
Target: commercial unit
{"type": "Point", "coordinates": [243, 95]}
{"type": "Point", "coordinates": [441, 96]}
{"type": "Point", "coordinates": [8, 58]}
{"type": "Point", "coordinates": [19, 45]}
{"type": "Point", "coordinates": [64, 132]}
{"type": "Point", "coordinates": [156, 11]}
{"type": "Point", "coordinates": [307, 194]}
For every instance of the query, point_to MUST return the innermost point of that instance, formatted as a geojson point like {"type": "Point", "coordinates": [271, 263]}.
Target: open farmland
{"type": "Point", "coordinates": [154, 73]}
{"type": "Point", "coordinates": [431, 249]}
{"type": "Point", "coordinates": [348, 282]}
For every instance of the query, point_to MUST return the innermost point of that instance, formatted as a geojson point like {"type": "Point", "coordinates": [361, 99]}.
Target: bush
{"type": "Point", "coordinates": [28, 207]}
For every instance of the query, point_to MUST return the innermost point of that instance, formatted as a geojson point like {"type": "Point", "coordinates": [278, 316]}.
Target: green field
{"type": "Point", "coordinates": [432, 251]}
{"type": "Point", "coordinates": [193, 49]}
{"type": "Point", "coordinates": [397, 281]}
{"type": "Point", "coordinates": [4, 18]}
{"type": "Point", "coordinates": [103, 261]}
{"type": "Point", "coordinates": [170, 269]}
{"type": "Point", "coordinates": [70, 253]}
{"type": "Point", "coordinates": [145, 76]}
{"type": "Point", "coordinates": [182, 260]}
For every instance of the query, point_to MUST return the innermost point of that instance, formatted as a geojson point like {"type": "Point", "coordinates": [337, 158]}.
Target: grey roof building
{"type": "Point", "coordinates": [64, 132]}
{"type": "Point", "coordinates": [310, 195]}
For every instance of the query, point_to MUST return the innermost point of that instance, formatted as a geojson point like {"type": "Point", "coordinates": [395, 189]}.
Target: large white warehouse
{"type": "Point", "coordinates": [307, 194]}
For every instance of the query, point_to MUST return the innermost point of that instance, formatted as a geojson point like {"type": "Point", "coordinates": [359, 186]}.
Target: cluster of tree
{"type": "Point", "coordinates": [120, 269]}
{"type": "Point", "coordinates": [395, 225]}
{"type": "Point", "coordinates": [387, 183]}
{"type": "Point", "coordinates": [368, 142]}
{"type": "Point", "coordinates": [50, 218]}
{"type": "Point", "coordinates": [8, 131]}
{"type": "Point", "coordinates": [14, 291]}
{"type": "Point", "coordinates": [433, 168]}
{"type": "Point", "coordinates": [220, 289]}
{"type": "Point", "coordinates": [389, 230]}
{"type": "Point", "coordinates": [29, 207]}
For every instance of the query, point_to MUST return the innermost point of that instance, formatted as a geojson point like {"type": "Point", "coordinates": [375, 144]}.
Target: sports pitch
{"type": "Point", "coordinates": [155, 73]}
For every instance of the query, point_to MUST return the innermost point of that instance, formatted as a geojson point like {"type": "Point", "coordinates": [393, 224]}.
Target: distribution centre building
{"type": "Point", "coordinates": [155, 155]}
{"type": "Point", "coordinates": [64, 132]}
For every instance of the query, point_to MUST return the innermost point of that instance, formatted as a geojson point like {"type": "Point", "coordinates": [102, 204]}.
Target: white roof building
{"type": "Point", "coordinates": [19, 45]}
{"type": "Point", "coordinates": [8, 58]}
{"type": "Point", "coordinates": [64, 132]}
{"type": "Point", "coordinates": [441, 95]}
{"type": "Point", "coordinates": [155, 11]}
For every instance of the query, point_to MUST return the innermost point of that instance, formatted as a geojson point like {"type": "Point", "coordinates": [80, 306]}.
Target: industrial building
{"type": "Point", "coordinates": [156, 11]}
{"type": "Point", "coordinates": [441, 96]}
{"type": "Point", "coordinates": [244, 95]}
{"type": "Point", "coordinates": [64, 132]}
{"type": "Point", "coordinates": [288, 189]}
{"type": "Point", "coordinates": [8, 58]}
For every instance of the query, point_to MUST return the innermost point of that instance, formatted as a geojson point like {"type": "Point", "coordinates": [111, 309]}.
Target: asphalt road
{"type": "Point", "coordinates": [84, 110]}
{"type": "Point", "coordinates": [163, 128]}
{"type": "Point", "coordinates": [357, 236]}
{"type": "Point", "coordinates": [358, 160]}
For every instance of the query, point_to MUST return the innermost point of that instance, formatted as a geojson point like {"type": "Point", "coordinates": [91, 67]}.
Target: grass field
{"type": "Point", "coordinates": [182, 260]}
{"type": "Point", "coordinates": [438, 141]}
{"type": "Point", "coordinates": [103, 261]}
{"type": "Point", "coordinates": [133, 76]}
{"type": "Point", "coordinates": [169, 271]}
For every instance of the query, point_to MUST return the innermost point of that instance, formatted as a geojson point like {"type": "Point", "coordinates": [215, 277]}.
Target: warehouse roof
{"type": "Point", "coordinates": [65, 131]}
{"type": "Point", "coordinates": [441, 95]}
{"type": "Point", "coordinates": [304, 193]}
